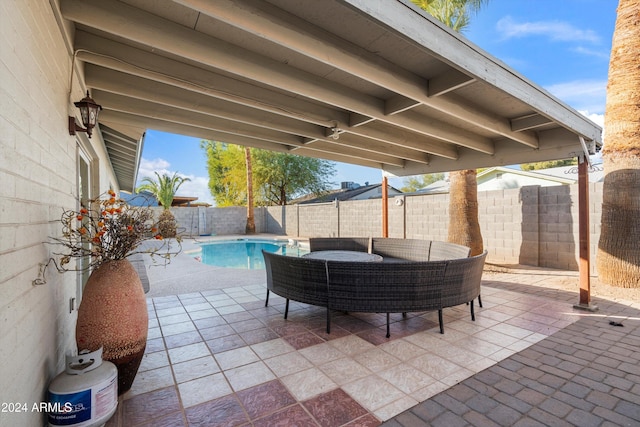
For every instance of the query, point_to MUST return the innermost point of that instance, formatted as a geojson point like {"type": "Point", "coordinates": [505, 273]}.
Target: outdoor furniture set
{"type": "Point", "coordinates": [411, 276]}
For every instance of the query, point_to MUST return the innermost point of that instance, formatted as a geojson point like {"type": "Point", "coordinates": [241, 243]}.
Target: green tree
{"type": "Point", "coordinates": [251, 221]}
{"type": "Point", "coordinates": [277, 177]}
{"type": "Point", "coordinates": [548, 164]}
{"type": "Point", "coordinates": [455, 14]}
{"type": "Point", "coordinates": [283, 176]}
{"type": "Point", "coordinates": [464, 227]}
{"type": "Point", "coordinates": [414, 183]}
{"type": "Point", "coordinates": [226, 165]}
{"type": "Point", "coordinates": [618, 257]}
{"type": "Point", "coordinates": [164, 189]}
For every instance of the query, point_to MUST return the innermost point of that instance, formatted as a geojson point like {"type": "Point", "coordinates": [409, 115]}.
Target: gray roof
{"type": "Point", "coordinates": [377, 83]}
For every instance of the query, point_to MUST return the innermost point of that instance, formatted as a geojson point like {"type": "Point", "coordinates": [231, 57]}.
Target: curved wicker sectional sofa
{"type": "Point", "coordinates": [415, 275]}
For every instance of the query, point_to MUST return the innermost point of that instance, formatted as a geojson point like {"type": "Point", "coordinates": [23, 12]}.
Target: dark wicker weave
{"type": "Point", "coordinates": [300, 279]}
{"type": "Point", "coordinates": [394, 250]}
{"type": "Point", "coordinates": [385, 288]}
{"type": "Point", "coordinates": [397, 287]}
{"type": "Point", "coordinates": [446, 250]}
{"type": "Point", "coordinates": [358, 244]}
{"type": "Point", "coordinates": [462, 281]}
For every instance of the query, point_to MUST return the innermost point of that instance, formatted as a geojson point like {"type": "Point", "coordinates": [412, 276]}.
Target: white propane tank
{"type": "Point", "coordinates": [86, 393]}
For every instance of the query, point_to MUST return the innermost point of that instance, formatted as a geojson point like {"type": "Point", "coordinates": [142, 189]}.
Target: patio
{"type": "Point", "coordinates": [219, 357]}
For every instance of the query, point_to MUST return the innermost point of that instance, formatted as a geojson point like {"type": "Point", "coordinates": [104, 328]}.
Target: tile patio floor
{"type": "Point", "coordinates": [219, 357]}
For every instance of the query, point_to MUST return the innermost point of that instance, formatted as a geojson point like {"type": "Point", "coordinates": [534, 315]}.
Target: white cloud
{"type": "Point", "coordinates": [585, 95]}
{"type": "Point", "coordinates": [595, 118]}
{"type": "Point", "coordinates": [198, 186]}
{"type": "Point", "coordinates": [153, 165]}
{"type": "Point", "coordinates": [554, 30]}
{"type": "Point", "coordinates": [602, 54]}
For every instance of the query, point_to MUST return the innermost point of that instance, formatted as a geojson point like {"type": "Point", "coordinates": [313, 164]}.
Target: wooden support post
{"type": "Point", "coordinates": [385, 207]}
{"type": "Point", "coordinates": [584, 246]}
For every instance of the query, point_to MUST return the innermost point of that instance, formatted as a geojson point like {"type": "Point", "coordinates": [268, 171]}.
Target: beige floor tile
{"type": "Point", "coordinates": [154, 333]}
{"type": "Point", "coordinates": [434, 365]}
{"type": "Point", "coordinates": [457, 376]}
{"type": "Point", "coordinates": [351, 345]}
{"type": "Point", "coordinates": [177, 328]}
{"type": "Point", "coordinates": [395, 408]}
{"type": "Point", "coordinates": [153, 379]}
{"type": "Point", "coordinates": [406, 378]}
{"type": "Point", "coordinates": [287, 364]}
{"type": "Point", "coordinates": [154, 360]}
{"type": "Point", "coordinates": [188, 352]}
{"type": "Point", "coordinates": [502, 354]}
{"type": "Point", "coordinates": [376, 359]}
{"type": "Point", "coordinates": [345, 370]}
{"type": "Point", "coordinates": [250, 375]}
{"type": "Point", "coordinates": [229, 309]}
{"type": "Point", "coordinates": [512, 331]}
{"type": "Point", "coordinates": [475, 346]}
{"type": "Point", "coordinates": [176, 318]}
{"type": "Point", "coordinates": [495, 337]}
{"type": "Point", "coordinates": [272, 348]}
{"type": "Point", "coordinates": [237, 357]}
{"type": "Point", "coordinates": [402, 349]}
{"type": "Point", "coordinates": [309, 383]}
{"type": "Point", "coordinates": [373, 392]}
{"type": "Point", "coordinates": [203, 314]}
{"type": "Point", "coordinates": [321, 353]}
{"type": "Point", "coordinates": [196, 368]}
{"type": "Point", "coordinates": [429, 391]}
{"type": "Point", "coordinates": [203, 389]}
{"type": "Point", "coordinates": [169, 311]}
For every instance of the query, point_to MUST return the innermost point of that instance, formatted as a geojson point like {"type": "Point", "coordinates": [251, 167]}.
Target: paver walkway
{"type": "Point", "coordinates": [588, 374]}
{"type": "Point", "coordinates": [219, 357]}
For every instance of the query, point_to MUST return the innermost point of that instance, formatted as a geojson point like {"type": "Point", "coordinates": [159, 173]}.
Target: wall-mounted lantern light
{"type": "Point", "coordinates": [89, 112]}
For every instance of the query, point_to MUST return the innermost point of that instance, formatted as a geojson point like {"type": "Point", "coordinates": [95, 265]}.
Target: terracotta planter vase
{"type": "Point", "coordinates": [113, 314]}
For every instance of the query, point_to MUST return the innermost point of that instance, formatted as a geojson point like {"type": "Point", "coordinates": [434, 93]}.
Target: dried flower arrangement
{"type": "Point", "coordinates": [108, 229]}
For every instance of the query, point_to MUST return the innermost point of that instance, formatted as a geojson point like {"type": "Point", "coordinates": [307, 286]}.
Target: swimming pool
{"type": "Point", "coordinates": [244, 253]}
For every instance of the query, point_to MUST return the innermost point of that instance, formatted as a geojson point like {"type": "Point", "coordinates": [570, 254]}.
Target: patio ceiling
{"type": "Point", "coordinates": [377, 83]}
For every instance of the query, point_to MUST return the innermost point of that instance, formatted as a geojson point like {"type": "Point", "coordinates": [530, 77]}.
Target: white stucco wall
{"type": "Point", "coordinates": [38, 178]}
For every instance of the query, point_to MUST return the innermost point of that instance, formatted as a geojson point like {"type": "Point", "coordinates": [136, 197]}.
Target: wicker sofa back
{"type": "Point", "coordinates": [360, 244]}
{"type": "Point", "coordinates": [387, 287]}
{"type": "Point", "coordinates": [392, 249]}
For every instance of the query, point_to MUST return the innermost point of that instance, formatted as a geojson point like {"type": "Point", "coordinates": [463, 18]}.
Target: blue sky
{"type": "Point", "coordinates": [561, 45]}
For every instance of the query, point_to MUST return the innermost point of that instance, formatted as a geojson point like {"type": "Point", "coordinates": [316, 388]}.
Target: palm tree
{"type": "Point", "coordinates": [618, 258]}
{"type": "Point", "coordinates": [164, 189]}
{"type": "Point", "coordinates": [251, 222]}
{"type": "Point", "coordinates": [464, 227]}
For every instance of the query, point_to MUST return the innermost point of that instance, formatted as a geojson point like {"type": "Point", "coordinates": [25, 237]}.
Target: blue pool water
{"type": "Point", "coordinates": [244, 253]}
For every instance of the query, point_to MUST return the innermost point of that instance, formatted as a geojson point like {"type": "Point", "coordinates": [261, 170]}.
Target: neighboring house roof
{"type": "Point", "coordinates": [500, 178]}
{"type": "Point", "coordinates": [596, 172]}
{"type": "Point", "coordinates": [144, 198]}
{"type": "Point", "coordinates": [360, 193]}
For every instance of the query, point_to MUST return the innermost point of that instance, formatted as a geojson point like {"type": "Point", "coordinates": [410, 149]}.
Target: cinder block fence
{"type": "Point", "coordinates": [533, 225]}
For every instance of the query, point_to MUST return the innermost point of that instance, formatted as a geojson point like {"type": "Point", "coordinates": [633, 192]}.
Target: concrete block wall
{"type": "Point", "coordinates": [500, 213]}
{"type": "Point", "coordinates": [319, 220]}
{"type": "Point", "coordinates": [427, 217]}
{"type": "Point", "coordinates": [357, 218]}
{"type": "Point", "coordinates": [280, 220]}
{"type": "Point", "coordinates": [530, 225]}
{"type": "Point", "coordinates": [38, 176]}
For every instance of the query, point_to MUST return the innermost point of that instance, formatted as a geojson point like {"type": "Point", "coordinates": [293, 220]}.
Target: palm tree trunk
{"type": "Point", "coordinates": [464, 228]}
{"type": "Point", "coordinates": [251, 224]}
{"type": "Point", "coordinates": [618, 258]}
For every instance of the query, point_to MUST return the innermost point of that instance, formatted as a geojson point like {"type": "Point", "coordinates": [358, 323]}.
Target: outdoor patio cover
{"type": "Point", "coordinates": [377, 83]}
